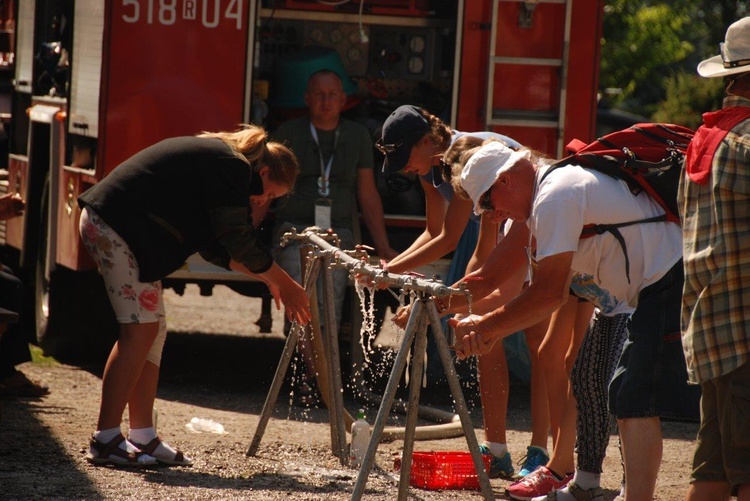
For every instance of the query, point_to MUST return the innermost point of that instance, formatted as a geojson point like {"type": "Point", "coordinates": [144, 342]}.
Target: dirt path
{"type": "Point", "coordinates": [226, 378]}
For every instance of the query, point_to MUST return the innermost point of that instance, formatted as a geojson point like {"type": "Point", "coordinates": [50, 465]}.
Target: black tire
{"type": "Point", "coordinates": [73, 320]}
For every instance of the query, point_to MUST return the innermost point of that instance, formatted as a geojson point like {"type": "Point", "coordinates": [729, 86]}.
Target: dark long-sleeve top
{"type": "Point", "coordinates": [180, 196]}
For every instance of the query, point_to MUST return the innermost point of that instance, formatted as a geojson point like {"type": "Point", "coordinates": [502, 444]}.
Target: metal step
{"type": "Point", "coordinates": [529, 61]}
{"type": "Point", "coordinates": [524, 118]}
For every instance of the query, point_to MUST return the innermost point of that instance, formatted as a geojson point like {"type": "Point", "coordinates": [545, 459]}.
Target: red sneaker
{"type": "Point", "coordinates": [540, 482]}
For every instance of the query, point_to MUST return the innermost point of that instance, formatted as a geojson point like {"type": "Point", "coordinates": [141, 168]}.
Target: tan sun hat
{"type": "Point", "coordinates": [735, 53]}
{"type": "Point", "coordinates": [485, 166]}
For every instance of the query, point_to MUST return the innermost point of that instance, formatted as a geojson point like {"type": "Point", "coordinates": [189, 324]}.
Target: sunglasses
{"type": "Point", "coordinates": [386, 149]}
{"type": "Point", "coordinates": [485, 203]}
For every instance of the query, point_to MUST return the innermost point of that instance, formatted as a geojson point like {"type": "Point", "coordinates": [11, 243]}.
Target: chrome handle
{"type": "Point", "coordinates": [71, 198]}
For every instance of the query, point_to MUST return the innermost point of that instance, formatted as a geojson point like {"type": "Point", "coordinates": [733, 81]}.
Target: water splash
{"type": "Point", "coordinates": [298, 372]}
{"type": "Point", "coordinates": [367, 305]}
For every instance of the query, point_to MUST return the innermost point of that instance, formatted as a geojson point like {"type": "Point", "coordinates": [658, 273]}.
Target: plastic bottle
{"type": "Point", "coordinates": [360, 440]}
{"type": "Point", "coordinates": [201, 425]}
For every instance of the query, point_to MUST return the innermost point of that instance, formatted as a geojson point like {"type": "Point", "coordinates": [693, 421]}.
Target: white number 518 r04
{"type": "Point", "coordinates": [170, 11]}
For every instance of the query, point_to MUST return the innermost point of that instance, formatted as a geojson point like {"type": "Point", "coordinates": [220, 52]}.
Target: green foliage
{"type": "Point", "coordinates": [651, 47]}
{"type": "Point", "coordinates": [631, 33]}
{"type": "Point", "coordinates": [37, 357]}
{"type": "Point", "coordinates": [688, 97]}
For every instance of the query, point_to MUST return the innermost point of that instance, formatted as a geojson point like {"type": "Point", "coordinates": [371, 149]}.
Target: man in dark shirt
{"type": "Point", "coordinates": [336, 161]}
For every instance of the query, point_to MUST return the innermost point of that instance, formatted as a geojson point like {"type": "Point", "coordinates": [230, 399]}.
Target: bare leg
{"type": "Point", "coordinates": [141, 403]}
{"type": "Point", "coordinates": [493, 391]}
{"type": "Point", "coordinates": [717, 491]}
{"type": "Point", "coordinates": [540, 411]}
{"type": "Point", "coordinates": [493, 373]}
{"type": "Point", "coordinates": [642, 451]}
{"type": "Point", "coordinates": [552, 354]}
{"type": "Point", "coordinates": [124, 370]}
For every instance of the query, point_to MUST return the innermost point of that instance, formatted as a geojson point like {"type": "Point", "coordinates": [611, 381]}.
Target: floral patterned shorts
{"type": "Point", "coordinates": [134, 302]}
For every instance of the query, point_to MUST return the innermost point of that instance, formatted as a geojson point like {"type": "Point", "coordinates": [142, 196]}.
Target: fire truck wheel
{"type": "Point", "coordinates": [72, 317]}
{"type": "Point", "coordinates": [74, 320]}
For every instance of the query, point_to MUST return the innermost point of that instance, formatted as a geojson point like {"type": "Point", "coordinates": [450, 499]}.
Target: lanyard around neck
{"type": "Point", "coordinates": [325, 169]}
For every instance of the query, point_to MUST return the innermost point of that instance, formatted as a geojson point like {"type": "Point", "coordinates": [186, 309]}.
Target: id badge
{"type": "Point", "coordinates": [323, 213]}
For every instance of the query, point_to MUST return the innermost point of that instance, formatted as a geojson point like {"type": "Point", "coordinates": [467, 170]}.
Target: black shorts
{"type": "Point", "coordinates": [651, 378]}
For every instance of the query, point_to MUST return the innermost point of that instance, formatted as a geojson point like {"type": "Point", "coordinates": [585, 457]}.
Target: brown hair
{"type": "Point", "coordinates": [468, 148]}
{"type": "Point", "coordinates": [250, 143]}
{"type": "Point", "coordinates": [453, 154]}
{"type": "Point", "coordinates": [457, 167]}
{"type": "Point", "coordinates": [439, 133]}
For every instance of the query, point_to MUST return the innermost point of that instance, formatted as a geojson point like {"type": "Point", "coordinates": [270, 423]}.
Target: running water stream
{"type": "Point", "coordinates": [377, 360]}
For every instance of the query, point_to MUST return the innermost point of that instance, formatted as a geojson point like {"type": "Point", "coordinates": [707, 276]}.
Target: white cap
{"type": "Point", "coordinates": [735, 53]}
{"type": "Point", "coordinates": [485, 166]}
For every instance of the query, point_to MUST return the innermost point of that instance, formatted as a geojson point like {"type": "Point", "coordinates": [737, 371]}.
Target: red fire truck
{"type": "Point", "coordinates": [89, 83]}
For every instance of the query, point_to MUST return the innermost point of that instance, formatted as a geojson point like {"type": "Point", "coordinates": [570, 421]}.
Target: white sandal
{"type": "Point", "coordinates": [179, 459]}
{"type": "Point", "coordinates": [112, 454]}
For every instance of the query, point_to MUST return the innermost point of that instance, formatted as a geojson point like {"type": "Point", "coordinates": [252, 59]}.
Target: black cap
{"type": "Point", "coordinates": [401, 131]}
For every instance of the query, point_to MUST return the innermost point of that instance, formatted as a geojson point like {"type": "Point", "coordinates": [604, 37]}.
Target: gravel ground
{"type": "Point", "coordinates": [217, 366]}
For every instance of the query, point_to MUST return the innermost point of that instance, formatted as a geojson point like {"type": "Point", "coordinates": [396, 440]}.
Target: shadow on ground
{"type": "Point", "coordinates": [28, 452]}
{"type": "Point", "coordinates": [242, 368]}
{"type": "Point", "coordinates": [234, 362]}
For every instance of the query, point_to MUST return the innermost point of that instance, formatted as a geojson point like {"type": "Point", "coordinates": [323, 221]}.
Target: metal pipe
{"type": "Point", "coordinates": [286, 357]}
{"type": "Point", "coordinates": [449, 423]}
{"type": "Point", "coordinates": [326, 242]}
{"type": "Point", "coordinates": [416, 320]}
{"type": "Point", "coordinates": [336, 407]}
{"type": "Point", "coordinates": [360, 267]}
{"type": "Point", "coordinates": [420, 350]}
{"type": "Point", "coordinates": [458, 397]}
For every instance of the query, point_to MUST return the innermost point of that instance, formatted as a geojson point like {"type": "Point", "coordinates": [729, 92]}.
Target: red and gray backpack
{"type": "Point", "coordinates": [647, 156]}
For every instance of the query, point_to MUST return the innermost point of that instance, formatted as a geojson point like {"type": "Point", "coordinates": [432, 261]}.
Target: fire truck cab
{"type": "Point", "coordinates": [89, 83]}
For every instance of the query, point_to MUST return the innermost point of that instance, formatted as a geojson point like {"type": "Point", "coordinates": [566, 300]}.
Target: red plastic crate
{"type": "Point", "coordinates": [443, 470]}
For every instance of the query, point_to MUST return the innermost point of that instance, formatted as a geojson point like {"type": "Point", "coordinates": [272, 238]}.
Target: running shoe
{"type": "Point", "coordinates": [500, 467]}
{"type": "Point", "coordinates": [538, 483]}
{"type": "Point", "coordinates": [535, 457]}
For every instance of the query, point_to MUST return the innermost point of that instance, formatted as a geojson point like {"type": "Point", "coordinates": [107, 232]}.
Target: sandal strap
{"type": "Point", "coordinates": [150, 447]}
{"type": "Point", "coordinates": [112, 448]}
{"type": "Point", "coordinates": [595, 493]}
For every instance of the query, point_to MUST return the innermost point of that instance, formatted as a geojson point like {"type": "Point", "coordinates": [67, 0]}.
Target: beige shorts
{"type": "Point", "coordinates": [134, 302]}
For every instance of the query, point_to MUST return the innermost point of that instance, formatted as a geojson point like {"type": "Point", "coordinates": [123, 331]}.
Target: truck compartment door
{"type": "Point", "coordinates": [543, 60]}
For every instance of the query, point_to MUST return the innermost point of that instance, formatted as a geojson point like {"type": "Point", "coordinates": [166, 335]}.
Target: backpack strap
{"type": "Point", "coordinates": [591, 230]}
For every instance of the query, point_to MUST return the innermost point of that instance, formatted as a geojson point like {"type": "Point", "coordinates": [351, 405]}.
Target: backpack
{"type": "Point", "coordinates": [647, 156]}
